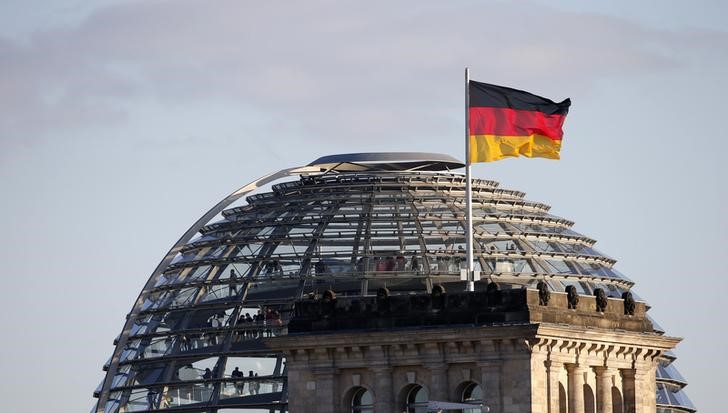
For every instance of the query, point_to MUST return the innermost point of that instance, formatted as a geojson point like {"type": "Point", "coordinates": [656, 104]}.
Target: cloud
{"type": "Point", "coordinates": [324, 66]}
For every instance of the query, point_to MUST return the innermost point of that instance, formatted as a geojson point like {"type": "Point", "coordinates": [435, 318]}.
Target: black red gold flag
{"type": "Point", "coordinates": [505, 122]}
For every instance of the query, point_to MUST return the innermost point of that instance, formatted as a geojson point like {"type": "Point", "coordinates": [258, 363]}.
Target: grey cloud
{"type": "Point", "coordinates": [364, 66]}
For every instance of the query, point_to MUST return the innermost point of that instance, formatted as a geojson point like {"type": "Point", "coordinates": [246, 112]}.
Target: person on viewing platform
{"type": "Point", "coordinates": [249, 320]}
{"type": "Point", "coordinates": [389, 264]}
{"type": "Point", "coordinates": [254, 385]}
{"type": "Point", "coordinates": [184, 343]}
{"type": "Point", "coordinates": [239, 384]}
{"type": "Point", "coordinates": [271, 318]}
{"type": "Point", "coordinates": [242, 320]}
{"type": "Point", "coordinates": [207, 375]}
{"type": "Point", "coordinates": [166, 401]}
{"type": "Point", "coordinates": [320, 267]}
{"type": "Point", "coordinates": [232, 283]}
{"type": "Point", "coordinates": [379, 264]}
{"type": "Point", "coordinates": [250, 382]}
{"type": "Point", "coordinates": [414, 264]}
{"type": "Point", "coordinates": [361, 264]}
{"type": "Point", "coordinates": [221, 318]}
{"type": "Point", "coordinates": [274, 268]}
{"type": "Point", "coordinates": [152, 399]}
{"type": "Point", "coordinates": [401, 261]}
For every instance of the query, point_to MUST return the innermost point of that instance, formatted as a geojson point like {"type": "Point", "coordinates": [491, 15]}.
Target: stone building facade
{"type": "Point", "coordinates": [539, 358]}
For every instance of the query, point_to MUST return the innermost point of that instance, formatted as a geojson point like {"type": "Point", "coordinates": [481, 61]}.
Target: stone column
{"type": "Point", "coordinates": [604, 389]}
{"type": "Point", "coordinates": [553, 369]}
{"type": "Point", "coordinates": [438, 382]}
{"type": "Point", "coordinates": [645, 391]}
{"type": "Point", "coordinates": [491, 376]}
{"type": "Point", "coordinates": [576, 388]}
{"type": "Point", "coordinates": [326, 400]}
{"type": "Point", "coordinates": [539, 383]}
{"type": "Point", "coordinates": [383, 396]}
{"type": "Point", "coordinates": [628, 390]}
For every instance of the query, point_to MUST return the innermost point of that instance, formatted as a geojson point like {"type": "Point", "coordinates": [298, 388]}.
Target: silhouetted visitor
{"type": "Point", "coordinates": [389, 264]}
{"type": "Point", "coordinates": [152, 399]}
{"type": "Point", "coordinates": [185, 343]}
{"type": "Point", "coordinates": [274, 268]}
{"type": "Point", "coordinates": [320, 267]}
{"type": "Point", "coordinates": [415, 264]}
{"type": "Point", "coordinates": [232, 283]}
{"type": "Point", "coordinates": [361, 265]}
{"type": "Point", "coordinates": [255, 385]}
{"type": "Point", "coordinates": [207, 375]}
{"type": "Point", "coordinates": [239, 385]}
{"type": "Point", "coordinates": [400, 263]}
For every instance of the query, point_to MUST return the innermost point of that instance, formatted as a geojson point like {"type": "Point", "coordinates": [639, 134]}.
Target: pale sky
{"type": "Point", "coordinates": [123, 122]}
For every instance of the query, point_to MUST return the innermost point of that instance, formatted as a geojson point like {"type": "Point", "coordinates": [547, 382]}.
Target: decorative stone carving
{"type": "Point", "coordinates": [438, 297]}
{"type": "Point", "coordinates": [329, 295]}
{"type": "Point", "coordinates": [493, 293]}
{"type": "Point", "coordinates": [382, 294]}
{"type": "Point", "coordinates": [601, 299]}
{"type": "Point", "coordinates": [572, 297]}
{"type": "Point", "coordinates": [383, 300]}
{"type": "Point", "coordinates": [544, 296]}
{"type": "Point", "coordinates": [328, 303]}
{"type": "Point", "coordinates": [629, 303]}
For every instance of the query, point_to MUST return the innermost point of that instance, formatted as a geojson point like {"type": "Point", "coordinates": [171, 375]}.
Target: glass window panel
{"type": "Point", "coordinates": [492, 227]}
{"type": "Point", "coordinates": [218, 292]}
{"type": "Point", "coordinates": [560, 267]}
{"type": "Point", "coordinates": [146, 374]}
{"type": "Point", "coordinates": [473, 393]}
{"type": "Point", "coordinates": [362, 401]}
{"type": "Point", "coordinates": [112, 406]}
{"type": "Point", "coordinates": [183, 297]}
{"type": "Point", "coordinates": [670, 372]}
{"type": "Point", "coordinates": [121, 378]}
{"type": "Point", "coordinates": [417, 400]}
{"type": "Point", "coordinates": [156, 347]}
{"type": "Point", "coordinates": [198, 273]}
{"type": "Point", "coordinates": [682, 399]}
{"type": "Point", "coordinates": [195, 370]}
{"type": "Point", "coordinates": [579, 286]}
{"type": "Point", "coordinates": [250, 386]}
{"type": "Point", "coordinates": [130, 351]}
{"type": "Point", "coordinates": [182, 395]}
{"type": "Point", "coordinates": [152, 301]}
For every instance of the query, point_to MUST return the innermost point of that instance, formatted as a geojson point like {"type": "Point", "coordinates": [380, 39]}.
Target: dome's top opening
{"type": "Point", "coordinates": [387, 161]}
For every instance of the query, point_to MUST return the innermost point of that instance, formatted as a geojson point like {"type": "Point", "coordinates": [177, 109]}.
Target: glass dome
{"type": "Point", "coordinates": [350, 223]}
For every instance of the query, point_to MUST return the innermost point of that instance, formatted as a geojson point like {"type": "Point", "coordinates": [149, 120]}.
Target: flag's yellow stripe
{"type": "Point", "coordinates": [488, 148]}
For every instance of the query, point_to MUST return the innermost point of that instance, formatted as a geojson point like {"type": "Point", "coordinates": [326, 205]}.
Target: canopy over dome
{"type": "Point", "coordinates": [388, 161]}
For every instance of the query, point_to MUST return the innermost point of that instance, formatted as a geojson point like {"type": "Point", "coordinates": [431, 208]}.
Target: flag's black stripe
{"type": "Point", "coordinates": [487, 95]}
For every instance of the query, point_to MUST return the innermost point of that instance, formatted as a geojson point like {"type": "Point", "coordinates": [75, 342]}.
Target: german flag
{"type": "Point", "coordinates": [507, 122]}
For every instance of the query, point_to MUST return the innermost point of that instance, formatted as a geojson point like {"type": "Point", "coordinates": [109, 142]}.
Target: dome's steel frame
{"type": "Point", "coordinates": [415, 174]}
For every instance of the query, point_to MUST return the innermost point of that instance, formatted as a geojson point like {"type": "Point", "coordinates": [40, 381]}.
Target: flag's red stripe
{"type": "Point", "coordinates": [513, 122]}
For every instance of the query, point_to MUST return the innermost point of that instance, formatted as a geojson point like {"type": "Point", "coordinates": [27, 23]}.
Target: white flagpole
{"type": "Point", "coordinates": [470, 286]}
